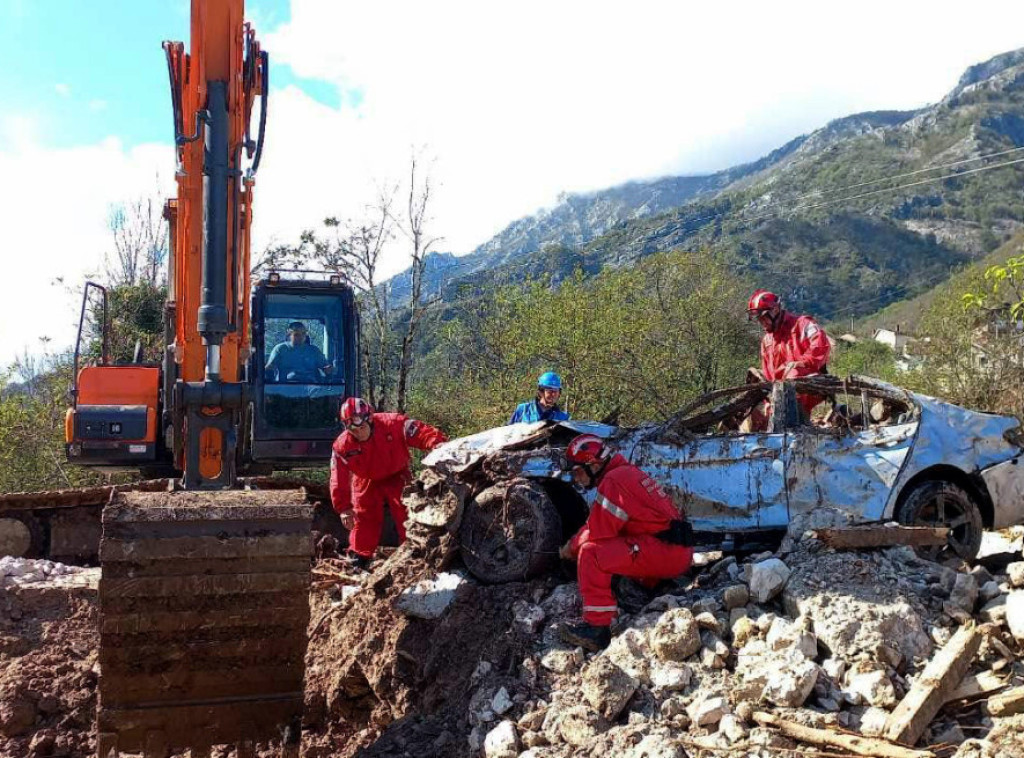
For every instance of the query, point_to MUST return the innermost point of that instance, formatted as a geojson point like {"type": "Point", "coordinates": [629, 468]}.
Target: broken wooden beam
{"type": "Point", "coordinates": [852, 743]}
{"type": "Point", "coordinates": [976, 686]}
{"type": "Point", "coordinates": [882, 535]}
{"type": "Point", "coordinates": [1007, 703]}
{"type": "Point", "coordinates": [932, 688]}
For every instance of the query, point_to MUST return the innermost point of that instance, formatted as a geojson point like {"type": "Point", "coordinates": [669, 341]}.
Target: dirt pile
{"type": "Point", "coordinates": [48, 648]}
{"type": "Point", "coordinates": [822, 639]}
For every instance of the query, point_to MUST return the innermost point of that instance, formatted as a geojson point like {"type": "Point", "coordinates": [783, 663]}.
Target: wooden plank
{"type": "Point", "coordinates": [852, 743]}
{"type": "Point", "coordinates": [856, 537]}
{"type": "Point", "coordinates": [1007, 703]}
{"type": "Point", "coordinates": [194, 586]}
{"type": "Point", "coordinates": [179, 548]}
{"type": "Point", "coordinates": [940, 677]}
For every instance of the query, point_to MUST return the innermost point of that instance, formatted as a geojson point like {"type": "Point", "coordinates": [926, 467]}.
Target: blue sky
{"type": "Point", "coordinates": [83, 70]}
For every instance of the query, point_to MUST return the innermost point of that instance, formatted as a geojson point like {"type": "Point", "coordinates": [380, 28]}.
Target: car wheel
{"type": "Point", "coordinates": [944, 504]}
{"type": "Point", "coordinates": [510, 532]}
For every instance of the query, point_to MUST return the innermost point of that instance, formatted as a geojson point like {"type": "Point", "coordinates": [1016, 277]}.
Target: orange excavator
{"type": "Point", "coordinates": [204, 590]}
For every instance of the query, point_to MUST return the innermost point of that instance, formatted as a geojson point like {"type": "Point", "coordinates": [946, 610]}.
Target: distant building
{"type": "Point", "coordinates": [894, 338]}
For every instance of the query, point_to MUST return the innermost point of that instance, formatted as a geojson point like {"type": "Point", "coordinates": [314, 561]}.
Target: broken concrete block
{"type": "Point", "coordinates": [785, 634]}
{"type": "Point", "coordinates": [1015, 614]}
{"type": "Point", "coordinates": [870, 684]}
{"type": "Point", "coordinates": [579, 724]}
{"type": "Point", "coordinates": [732, 727]}
{"type": "Point", "coordinates": [735, 596]}
{"type": "Point", "coordinates": [670, 676]}
{"type": "Point", "coordinates": [562, 661]}
{"type": "Point", "coordinates": [607, 687]}
{"type": "Point", "coordinates": [657, 746]}
{"type": "Point", "coordinates": [767, 579]}
{"type": "Point", "coordinates": [430, 598]}
{"type": "Point", "coordinates": [994, 611]}
{"type": "Point", "coordinates": [502, 741]}
{"type": "Point", "coordinates": [872, 721]}
{"type": "Point", "coordinates": [675, 637]}
{"type": "Point", "coordinates": [501, 702]}
{"type": "Point", "coordinates": [1015, 572]}
{"type": "Point", "coordinates": [743, 630]}
{"type": "Point", "coordinates": [791, 684]}
{"type": "Point", "coordinates": [708, 710]}
{"type": "Point", "coordinates": [631, 652]}
{"type": "Point", "coordinates": [965, 593]}
{"type": "Point", "coordinates": [527, 616]}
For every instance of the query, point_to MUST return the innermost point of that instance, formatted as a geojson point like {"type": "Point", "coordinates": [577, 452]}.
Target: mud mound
{"type": "Point", "coordinates": [48, 673]}
{"type": "Point", "coordinates": [383, 680]}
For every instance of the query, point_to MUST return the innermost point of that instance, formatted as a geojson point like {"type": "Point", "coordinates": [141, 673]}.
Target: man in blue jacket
{"type": "Point", "coordinates": [545, 406]}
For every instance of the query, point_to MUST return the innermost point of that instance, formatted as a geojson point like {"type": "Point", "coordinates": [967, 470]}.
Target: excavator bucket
{"type": "Point", "coordinates": [204, 602]}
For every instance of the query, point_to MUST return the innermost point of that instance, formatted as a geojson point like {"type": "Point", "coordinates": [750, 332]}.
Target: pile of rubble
{"type": "Point", "coordinates": [811, 649]}
{"type": "Point", "coordinates": [48, 661]}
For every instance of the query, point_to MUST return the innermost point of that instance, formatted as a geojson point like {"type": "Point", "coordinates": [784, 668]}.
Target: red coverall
{"type": "Point", "coordinates": [618, 538]}
{"type": "Point", "coordinates": [798, 340]}
{"type": "Point", "coordinates": [367, 475]}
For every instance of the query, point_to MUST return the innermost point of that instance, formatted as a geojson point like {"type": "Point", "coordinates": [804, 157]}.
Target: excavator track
{"type": "Point", "coordinates": [204, 605]}
{"type": "Point", "coordinates": [64, 525]}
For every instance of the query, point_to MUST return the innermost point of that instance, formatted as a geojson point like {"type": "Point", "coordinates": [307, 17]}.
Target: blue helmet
{"type": "Point", "coordinates": [550, 380]}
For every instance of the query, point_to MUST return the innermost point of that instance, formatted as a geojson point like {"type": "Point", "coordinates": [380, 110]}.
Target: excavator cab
{"type": "Point", "coordinates": [304, 364]}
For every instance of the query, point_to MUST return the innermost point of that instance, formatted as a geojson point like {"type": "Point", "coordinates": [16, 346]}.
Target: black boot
{"type": "Point", "coordinates": [356, 561]}
{"type": "Point", "coordinates": [586, 636]}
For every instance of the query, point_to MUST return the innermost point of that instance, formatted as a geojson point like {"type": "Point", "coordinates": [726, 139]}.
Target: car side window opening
{"type": "Point", "coordinates": [851, 405]}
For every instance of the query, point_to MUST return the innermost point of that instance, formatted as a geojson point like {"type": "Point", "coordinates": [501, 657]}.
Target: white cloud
{"type": "Point", "coordinates": [55, 227]}
{"type": "Point", "coordinates": [518, 103]}
{"type": "Point", "coordinates": [521, 102]}
{"type": "Point", "coordinates": [63, 90]}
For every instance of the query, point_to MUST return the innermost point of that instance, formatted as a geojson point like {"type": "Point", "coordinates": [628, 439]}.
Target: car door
{"type": "Point", "coordinates": [851, 470]}
{"type": "Point", "coordinates": [727, 482]}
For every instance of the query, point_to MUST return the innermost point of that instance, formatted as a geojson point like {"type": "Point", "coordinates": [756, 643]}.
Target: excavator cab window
{"type": "Point", "coordinates": [304, 363]}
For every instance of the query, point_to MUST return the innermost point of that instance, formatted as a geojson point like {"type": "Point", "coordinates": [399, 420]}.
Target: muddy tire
{"type": "Point", "coordinates": [944, 504]}
{"type": "Point", "coordinates": [510, 532]}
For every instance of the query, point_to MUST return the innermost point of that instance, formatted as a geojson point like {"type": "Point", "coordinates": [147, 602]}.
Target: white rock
{"type": "Point", "coordinates": [732, 728]}
{"type": "Point", "coordinates": [1015, 571]}
{"type": "Point", "coordinates": [562, 661]}
{"type": "Point", "coordinates": [501, 702]}
{"type": "Point", "coordinates": [792, 684]}
{"type": "Point", "coordinates": [502, 741]}
{"type": "Point", "coordinates": [835, 668]}
{"type": "Point", "coordinates": [675, 637]}
{"type": "Point", "coordinates": [706, 711]}
{"type": "Point", "coordinates": [670, 676]}
{"type": "Point", "coordinates": [767, 579]}
{"type": "Point", "coordinates": [527, 616]}
{"type": "Point", "coordinates": [657, 746]}
{"type": "Point", "coordinates": [631, 652]}
{"type": "Point", "coordinates": [607, 687]}
{"type": "Point", "coordinates": [430, 598]}
{"type": "Point", "coordinates": [1015, 614]}
{"type": "Point", "coordinates": [872, 685]}
{"type": "Point", "coordinates": [786, 634]}
{"type": "Point", "coordinates": [872, 722]}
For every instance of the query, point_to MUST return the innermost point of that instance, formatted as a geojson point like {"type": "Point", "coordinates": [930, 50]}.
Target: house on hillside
{"type": "Point", "coordinates": [997, 344]}
{"type": "Point", "coordinates": [899, 342]}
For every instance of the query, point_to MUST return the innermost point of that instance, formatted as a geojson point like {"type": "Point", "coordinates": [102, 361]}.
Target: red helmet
{"type": "Point", "coordinates": [586, 449]}
{"type": "Point", "coordinates": [354, 407]}
{"type": "Point", "coordinates": [762, 300]}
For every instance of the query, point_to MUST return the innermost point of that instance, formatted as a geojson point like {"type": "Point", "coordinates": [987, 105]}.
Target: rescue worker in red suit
{"type": "Point", "coordinates": [633, 530]}
{"type": "Point", "coordinates": [792, 346]}
{"type": "Point", "coordinates": [370, 468]}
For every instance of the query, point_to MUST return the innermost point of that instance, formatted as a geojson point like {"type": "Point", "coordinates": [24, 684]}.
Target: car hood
{"type": "Point", "coordinates": [459, 454]}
